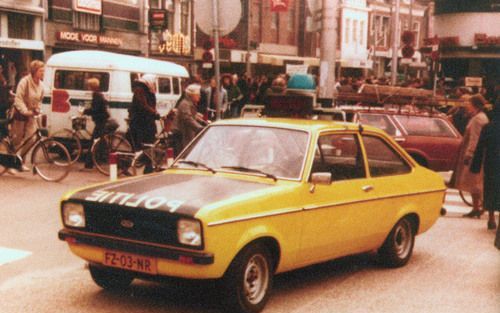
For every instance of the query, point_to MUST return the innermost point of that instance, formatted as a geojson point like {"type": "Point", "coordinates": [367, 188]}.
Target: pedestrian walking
{"type": "Point", "coordinates": [98, 111]}
{"type": "Point", "coordinates": [143, 115]}
{"type": "Point", "coordinates": [4, 102]}
{"type": "Point", "coordinates": [487, 159]}
{"type": "Point", "coordinates": [186, 123]}
{"type": "Point", "coordinates": [465, 180]}
{"type": "Point", "coordinates": [27, 104]}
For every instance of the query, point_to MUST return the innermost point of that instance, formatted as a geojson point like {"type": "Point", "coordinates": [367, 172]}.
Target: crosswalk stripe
{"type": "Point", "coordinates": [9, 255]}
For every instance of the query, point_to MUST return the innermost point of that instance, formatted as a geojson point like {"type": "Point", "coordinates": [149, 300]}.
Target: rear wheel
{"type": "Point", "coordinates": [71, 141]}
{"type": "Point", "coordinates": [51, 160]}
{"type": "Point", "coordinates": [249, 279]}
{"type": "Point", "coordinates": [112, 143]}
{"type": "Point", "coordinates": [110, 279]}
{"type": "Point", "coordinates": [398, 247]}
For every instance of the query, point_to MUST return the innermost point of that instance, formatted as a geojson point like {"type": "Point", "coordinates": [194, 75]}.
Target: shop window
{"type": "Point", "coordinates": [164, 85]}
{"type": "Point", "coordinates": [21, 26]}
{"type": "Point", "coordinates": [77, 80]}
{"type": "Point", "coordinates": [85, 21]}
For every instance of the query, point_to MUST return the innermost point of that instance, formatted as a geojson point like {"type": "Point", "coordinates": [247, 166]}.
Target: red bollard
{"type": "Point", "coordinates": [113, 166]}
{"type": "Point", "coordinates": [170, 156]}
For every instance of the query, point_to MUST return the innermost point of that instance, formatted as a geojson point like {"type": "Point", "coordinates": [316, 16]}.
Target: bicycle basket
{"type": "Point", "coordinates": [78, 123]}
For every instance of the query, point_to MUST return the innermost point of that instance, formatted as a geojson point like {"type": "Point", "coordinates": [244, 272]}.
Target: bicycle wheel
{"type": "Point", "coordinates": [111, 143]}
{"type": "Point", "coordinates": [4, 149]}
{"type": "Point", "coordinates": [51, 160]}
{"type": "Point", "coordinates": [71, 142]}
{"type": "Point", "coordinates": [466, 197]}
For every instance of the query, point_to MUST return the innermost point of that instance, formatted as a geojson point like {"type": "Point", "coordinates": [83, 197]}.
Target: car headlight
{"type": "Point", "coordinates": [73, 214]}
{"type": "Point", "coordinates": [189, 232]}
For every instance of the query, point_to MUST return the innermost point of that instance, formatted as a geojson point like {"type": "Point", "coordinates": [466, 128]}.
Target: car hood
{"type": "Point", "coordinates": [184, 194]}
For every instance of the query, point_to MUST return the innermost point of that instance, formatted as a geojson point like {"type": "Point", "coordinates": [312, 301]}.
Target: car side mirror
{"type": "Point", "coordinates": [320, 178]}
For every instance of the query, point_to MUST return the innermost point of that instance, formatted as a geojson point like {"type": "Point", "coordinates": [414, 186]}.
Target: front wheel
{"type": "Point", "coordinates": [111, 143]}
{"type": "Point", "coordinates": [248, 280]}
{"type": "Point", "coordinates": [51, 160]}
{"type": "Point", "coordinates": [110, 279]}
{"type": "Point", "coordinates": [398, 247]}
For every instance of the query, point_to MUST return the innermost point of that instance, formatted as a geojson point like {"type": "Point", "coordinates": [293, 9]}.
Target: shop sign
{"type": "Point", "coordinates": [88, 38]}
{"type": "Point", "coordinates": [279, 5]}
{"type": "Point", "coordinates": [443, 41]}
{"type": "Point", "coordinates": [22, 44]}
{"type": "Point", "coordinates": [473, 81]}
{"type": "Point", "coordinates": [481, 39]}
{"type": "Point", "coordinates": [88, 6]}
{"type": "Point", "coordinates": [177, 43]}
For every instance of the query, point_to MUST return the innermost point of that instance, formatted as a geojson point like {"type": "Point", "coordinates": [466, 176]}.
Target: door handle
{"type": "Point", "coordinates": [367, 188]}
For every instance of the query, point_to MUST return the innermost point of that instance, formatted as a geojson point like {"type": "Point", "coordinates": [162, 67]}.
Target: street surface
{"type": "Point", "coordinates": [454, 268]}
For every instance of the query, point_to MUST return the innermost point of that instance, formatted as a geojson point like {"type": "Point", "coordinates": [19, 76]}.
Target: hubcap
{"type": "Point", "coordinates": [256, 279]}
{"type": "Point", "coordinates": [402, 238]}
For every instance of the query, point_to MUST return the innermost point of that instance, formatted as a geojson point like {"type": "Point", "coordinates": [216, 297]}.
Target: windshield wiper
{"type": "Point", "coordinates": [250, 170]}
{"type": "Point", "coordinates": [197, 164]}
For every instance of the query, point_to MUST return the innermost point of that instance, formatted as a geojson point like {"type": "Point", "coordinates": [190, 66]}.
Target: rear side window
{"type": "Point", "coordinates": [425, 126]}
{"type": "Point", "coordinates": [164, 85]}
{"type": "Point", "coordinates": [176, 85]}
{"type": "Point", "coordinates": [380, 121]}
{"type": "Point", "coordinates": [77, 80]}
{"type": "Point", "coordinates": [383, 160]}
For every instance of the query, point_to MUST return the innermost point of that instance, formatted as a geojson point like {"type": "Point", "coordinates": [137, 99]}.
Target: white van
{"type": "Point", "coordinates": [66, 90]}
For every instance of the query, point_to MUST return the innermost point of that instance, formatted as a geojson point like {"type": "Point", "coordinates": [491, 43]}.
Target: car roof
{"type": "Point", "coordinates": [297, 124]}
{"type": "Point", "coordinates": [392, 111]}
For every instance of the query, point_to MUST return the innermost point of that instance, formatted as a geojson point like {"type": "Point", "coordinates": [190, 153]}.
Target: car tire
{"type": "Point", "coordinates": [110, 279]}
{"type": "Point", "coordinates": [398, 246]}
{"type": "Point", "coordinates": [248, 280]}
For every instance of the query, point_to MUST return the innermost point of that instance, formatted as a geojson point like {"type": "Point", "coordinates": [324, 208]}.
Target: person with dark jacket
{"type": "Point", "coordinates": [487, 155]}
{"type": "Point", "coordinates": [98, 111]}
{"type": "Point", "coordinates": [143, 114]}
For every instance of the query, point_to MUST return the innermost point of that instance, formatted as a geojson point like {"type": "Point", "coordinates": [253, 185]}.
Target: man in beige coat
{"type": "Point", "coordinates": [27, 103]}
{"type": "Point", "coordinates": [465, 179]}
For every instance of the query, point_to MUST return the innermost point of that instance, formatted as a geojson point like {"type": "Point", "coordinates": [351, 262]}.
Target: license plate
{"type": "Point", "coordinates": [130, 261]}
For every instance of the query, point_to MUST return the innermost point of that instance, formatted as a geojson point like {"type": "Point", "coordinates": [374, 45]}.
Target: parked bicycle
{"type": "Point", "coordinates": [49, 158]}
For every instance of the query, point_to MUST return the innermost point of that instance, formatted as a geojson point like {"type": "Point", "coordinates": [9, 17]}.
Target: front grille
{"type": "Point", "coordinates": [132, 223]}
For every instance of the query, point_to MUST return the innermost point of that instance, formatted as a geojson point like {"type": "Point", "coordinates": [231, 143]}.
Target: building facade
{"type": "Point", "coordinates": [469, 40]}
{"type": "Point", "coordinates": [21, 36]}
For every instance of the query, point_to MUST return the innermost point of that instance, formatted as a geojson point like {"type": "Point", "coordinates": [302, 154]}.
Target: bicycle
{"type": "Point", "coordinates": [110, 142]}
{"type": "Point", "coordinates": [75, 138]}
{"type": "Point", "coordinates": [49, 158]}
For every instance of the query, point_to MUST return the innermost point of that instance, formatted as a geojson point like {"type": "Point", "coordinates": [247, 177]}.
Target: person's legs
{"type": "Point", "coordinates": [476, 205]}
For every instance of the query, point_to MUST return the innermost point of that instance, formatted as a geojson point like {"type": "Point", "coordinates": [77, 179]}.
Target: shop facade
{"type": "Point", "coordinates": [21, 37]}
{"type": "Point", "coordinates": [106, 25]}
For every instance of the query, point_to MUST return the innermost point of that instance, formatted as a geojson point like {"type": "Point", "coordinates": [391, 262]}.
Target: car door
{"type": "Point", "coordinates": [390, 178]}
{"type": "Point", "coordinates": [334, 218]}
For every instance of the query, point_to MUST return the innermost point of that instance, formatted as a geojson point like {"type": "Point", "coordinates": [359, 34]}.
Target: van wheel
{"type": "Point", "coordinates": [248, 280]}
{"type": "Point", "coordinates": [398, 247]}
{"type": "Point", "coordinates": [110, 279]}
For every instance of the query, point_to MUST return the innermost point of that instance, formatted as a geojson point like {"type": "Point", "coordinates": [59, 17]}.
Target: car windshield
{"type": "Point", "coordinates": [425, 126]}
{"type": "Point", "coordinates": [268, 151]}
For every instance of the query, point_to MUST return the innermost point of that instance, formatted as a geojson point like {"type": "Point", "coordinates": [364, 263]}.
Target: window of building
{"type": "Point", "coordinates": [86, 21]}
{"type": "Point", "coordinates": [355, 31]}
{"type": "Point", "coordinates": [77, 80]}
{"type": "Point", "coordinates": [21, 26]}
{"type": "Point", "coordinates": [416, 31]}
{"type": "Point", "coordinates": [340, 155]}
{"type": "Point", "coordinates": [185, 17]}
{"type": "Point", "coordinates": [382, 159]}
{"type": "Point", "coordinates": [164, 85]}
{"type": "Point", "coordinates": [291, 20]}
{"type": "Point", "coordinates": [362, 33]}
{"type": "Point", "coordinates": [274, 20]}
{"type": "Point", "coordinates": [347, 30]}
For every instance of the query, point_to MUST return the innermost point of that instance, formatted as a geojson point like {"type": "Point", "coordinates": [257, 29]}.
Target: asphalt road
{"type": "Point", "coordinates": [454, 268]}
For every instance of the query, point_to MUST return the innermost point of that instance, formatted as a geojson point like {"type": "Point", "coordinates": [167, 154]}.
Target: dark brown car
{"type": "Point", "coordinates": [430, 138]}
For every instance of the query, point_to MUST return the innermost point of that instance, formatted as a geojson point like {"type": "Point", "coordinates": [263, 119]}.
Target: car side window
{"type": "Point", "coordinates": [340, 155]}
{"type": "Point", "coordinates": [425, 126]}
{"type": "Point", "coordinates": [380, 121]}
{"type": "Point", "coordinates": [164, 85]}
{"type": "Point", "coordinates": [383, 160]}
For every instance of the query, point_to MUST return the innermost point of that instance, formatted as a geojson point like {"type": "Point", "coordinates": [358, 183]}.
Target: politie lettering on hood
{"type": "Point", "coordinates": [132, 200]}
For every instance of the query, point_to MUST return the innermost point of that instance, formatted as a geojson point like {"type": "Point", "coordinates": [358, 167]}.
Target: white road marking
{"type": "Point", "coordinates": [10, 255]}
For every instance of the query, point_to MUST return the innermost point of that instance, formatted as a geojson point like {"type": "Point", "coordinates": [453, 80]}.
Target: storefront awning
{"type": "Point", "coordinates": [281, 60]}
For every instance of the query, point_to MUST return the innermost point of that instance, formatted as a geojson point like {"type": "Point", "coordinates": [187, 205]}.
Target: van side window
{"type": "Point", "coordinates": [176, 83]}
{"type": "Point", "coordinates": [77, 80]}
{"type": "Point", "coordinates": [164, 85]}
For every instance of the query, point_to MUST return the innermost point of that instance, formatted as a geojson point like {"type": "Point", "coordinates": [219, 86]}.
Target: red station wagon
{"type": "Point", "coordinates": [430, 138]}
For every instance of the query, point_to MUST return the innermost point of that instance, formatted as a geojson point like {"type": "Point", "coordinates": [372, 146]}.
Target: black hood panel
{"type": "Point", "coordinates": [175, 193]}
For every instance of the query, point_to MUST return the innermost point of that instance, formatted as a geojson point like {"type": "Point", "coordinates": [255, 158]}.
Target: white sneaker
{"type": "Point", "coordinates": [12, 171]}
{"type": "Point", "coordinates": [25, 168]}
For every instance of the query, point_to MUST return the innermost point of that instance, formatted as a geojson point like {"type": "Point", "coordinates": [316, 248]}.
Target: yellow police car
{"type": "Point", "coordinates": [251, 198]}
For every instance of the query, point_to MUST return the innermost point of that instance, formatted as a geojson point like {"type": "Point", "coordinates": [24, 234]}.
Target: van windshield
{"type": "Point", "coordinates": [77, 80]}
